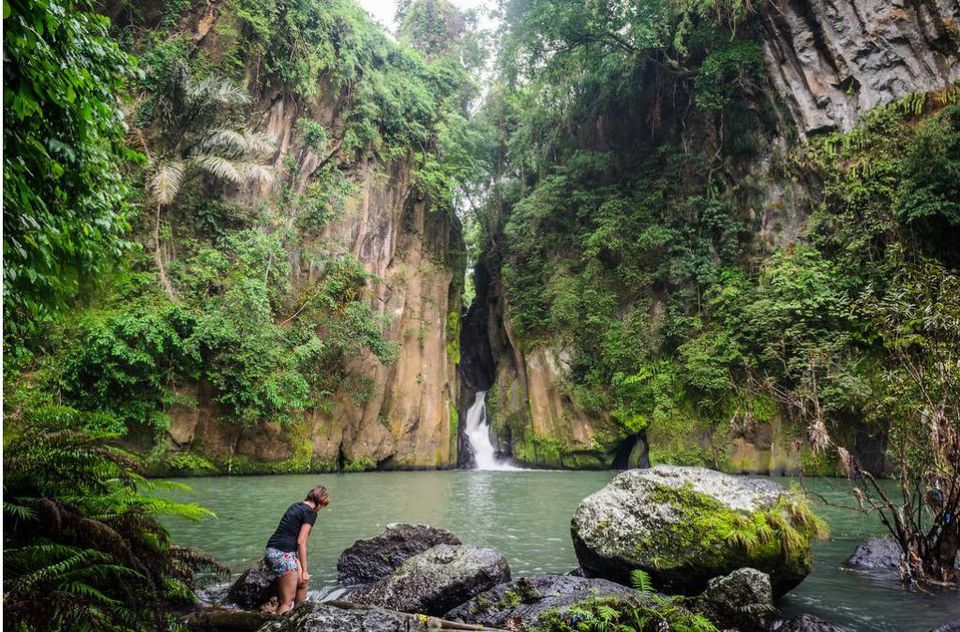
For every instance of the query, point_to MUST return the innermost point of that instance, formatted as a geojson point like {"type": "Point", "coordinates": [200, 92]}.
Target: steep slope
{"type": "Point", "coordinates": [675, 180]}
{"type": "Point", "coordinates": [292, 299]}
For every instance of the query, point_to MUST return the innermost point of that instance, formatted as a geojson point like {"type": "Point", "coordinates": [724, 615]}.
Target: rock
{"type": "Point", "coordinates": [226, 620]}
{"type": "Point", "coordinates": [742, 600]}
{"type": "Point", "coordinates": [437, 580]}
{"type": "Point", "coordinates": [374, 558]}
{"type": "Point", "coordinates": [949, 626]}
{"type": "Point", "coordinates": [526, 599]}
{"type": "Point", "coordinates": [803, 623]}
{"type": "Point", "coordinates": [876, 553]}
{"type": "Point", "coordinates": [254, 588]}
{"type": "Point", "coordinates": [685, 525]}
{"type": "Point", "coordinates": [319, 617]}
{"type": "Point", "coordinates": [832, 60]}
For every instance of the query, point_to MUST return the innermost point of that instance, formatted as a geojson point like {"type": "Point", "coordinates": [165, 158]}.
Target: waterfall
{"type": "Point", "coordinates": [478, 433]}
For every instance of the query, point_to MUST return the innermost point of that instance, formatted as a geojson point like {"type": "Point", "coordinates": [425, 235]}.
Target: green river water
{"type": "Point", "coordinates": [526, 516]}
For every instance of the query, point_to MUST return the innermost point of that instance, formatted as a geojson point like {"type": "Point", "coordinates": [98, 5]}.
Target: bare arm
{"type": "Point", "coordinates": [302, 551]}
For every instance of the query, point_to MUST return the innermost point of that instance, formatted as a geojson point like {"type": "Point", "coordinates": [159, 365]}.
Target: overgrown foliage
{"type": "Point", "coordinates": [64, 198]}
{"type": "Point", "coordinates": [83, 548]}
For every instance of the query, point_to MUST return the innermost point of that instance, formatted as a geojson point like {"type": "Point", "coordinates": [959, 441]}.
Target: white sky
{"type": "Point", "coordinates": [383, 10]}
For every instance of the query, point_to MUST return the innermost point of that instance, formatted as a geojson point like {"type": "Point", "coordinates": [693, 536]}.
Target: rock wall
{"type": "Point", "coordinates": [828, 62]}
{"type": "Point", "coordinates": [415, 255]}
{"type": "Point", "coordinates": [832, 60]}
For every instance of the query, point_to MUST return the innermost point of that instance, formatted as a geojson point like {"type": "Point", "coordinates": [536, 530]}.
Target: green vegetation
{"type": "Point", "coordinates": [83, 547]}
{"type": "Point", "coordinates": [65, 202]}
{"type": "Point", "coordinates": [645, 612]}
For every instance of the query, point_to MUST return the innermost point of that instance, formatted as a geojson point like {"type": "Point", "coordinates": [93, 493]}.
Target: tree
{"type": "Point", "coordinates": [918, 320]}
{"type": "Point", "coordinates": [186, 141]}
{"type": "Point", "coordinates": [64, 198]}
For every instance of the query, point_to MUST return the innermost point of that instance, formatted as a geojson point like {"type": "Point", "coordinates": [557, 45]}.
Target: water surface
{"type": "Point", "coordinates": [526, 516]}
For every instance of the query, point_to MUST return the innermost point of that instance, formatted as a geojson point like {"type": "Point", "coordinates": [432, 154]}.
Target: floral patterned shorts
{"type": "Point", "coordinates": [282, 562]}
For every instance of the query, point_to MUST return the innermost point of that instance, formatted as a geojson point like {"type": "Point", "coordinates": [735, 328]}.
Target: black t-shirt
{"type": "Point", "coordinates": [285, 537]}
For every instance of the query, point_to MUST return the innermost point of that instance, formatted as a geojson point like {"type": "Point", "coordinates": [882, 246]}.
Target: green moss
{"type": "Point", "coordinates": [454, 419]}
{"type": "Point", "coordinates": [775, 540]}
{"type": "Point", "coordinates": [453, 337]}
{"type": "Point", "coordinates": [362, 464]}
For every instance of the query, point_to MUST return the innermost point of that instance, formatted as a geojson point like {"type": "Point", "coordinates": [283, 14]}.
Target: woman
{"type": "Point", "coordinates": [286, 551]}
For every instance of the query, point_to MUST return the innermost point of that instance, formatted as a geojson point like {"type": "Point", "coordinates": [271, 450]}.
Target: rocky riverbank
{"type": "Point", "coordinates": [749, 541]}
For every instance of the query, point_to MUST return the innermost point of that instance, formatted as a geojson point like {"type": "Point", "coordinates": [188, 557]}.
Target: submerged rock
{"type": "Point", "coordinates": [526, 599]}
{"type": "Point", "coordinates": [374, 558]}
{"type": "Point", "coordinates": [255, 587]}
{"type": "Point", "coordinates": [742, 600]}
{"type": "Point", "coordinates": [876, 553]}
{"type": "Point", "coordinates": [686, 525]}
{"type": "Point", "coordinates": [319, 617]}
{"type": "Point", "coordinates": [437, 580]}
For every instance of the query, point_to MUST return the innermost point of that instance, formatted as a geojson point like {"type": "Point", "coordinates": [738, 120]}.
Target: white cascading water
{"type": "Point", "coordinates": [478, 433]}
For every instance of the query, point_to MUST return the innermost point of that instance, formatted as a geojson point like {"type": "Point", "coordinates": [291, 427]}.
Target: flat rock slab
{"type": "Point", "coordinates": [437, 580]}
{"type": "Point", "coordinates": [523, 601]}
{"type": "Point", "coordinates": [374, 558]}
{"type": "Point", "coordinates": [686, 525]}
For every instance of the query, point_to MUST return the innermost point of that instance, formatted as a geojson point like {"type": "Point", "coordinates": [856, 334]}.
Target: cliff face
{"type": "Point", "coordinates": [413, 253]}
{"type": "Point", "coordinates": [832, 60]}
{"type": "Point", "coordinates": [828, 62]}
{"type": "Point", "coordinates": [410, 420]}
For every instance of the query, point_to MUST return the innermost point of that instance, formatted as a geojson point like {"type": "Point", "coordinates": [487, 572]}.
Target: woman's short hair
{"type": "Point", "coordinates": [318, 495]}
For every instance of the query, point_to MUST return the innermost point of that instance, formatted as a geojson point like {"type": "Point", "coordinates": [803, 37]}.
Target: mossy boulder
{"type": "Point", "coordinates": [527, 599]}
{"type": "Point", "coordinates": [686, 525]}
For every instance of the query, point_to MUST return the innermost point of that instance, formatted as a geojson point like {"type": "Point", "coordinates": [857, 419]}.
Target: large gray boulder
{"type": "Point", "coordinates": [374, 558]}
{"type": "Point", "coordinates": [686, 525]}
{"type": "Point", "coordinates": [437, 580]}
{"type": "Point", "coordinates": [742, 600]}
{"type": "Point", "coordinates": [320, 617]}
{"type": "Point", "coordinates": [255, 587]}
{"type": "Point", "coordinates": [525, 600]}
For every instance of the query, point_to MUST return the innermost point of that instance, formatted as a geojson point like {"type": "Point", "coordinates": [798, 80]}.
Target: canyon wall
{"type": "Point", "coordinates": [827, 63]}
{"type": "Point", "coordinates": [413, 252]}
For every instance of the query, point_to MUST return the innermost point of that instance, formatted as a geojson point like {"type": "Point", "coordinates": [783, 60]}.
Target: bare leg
{"type": "Point", "coordinates": [287, 586]}
{"type": "Point", "coordinates": [301, 593]}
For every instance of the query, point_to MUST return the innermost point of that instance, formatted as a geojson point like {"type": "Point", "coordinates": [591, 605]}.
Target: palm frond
{"type": "Point", "coordinates": [234, 144]}
{"type": "Point", "coordinates": [166, 181]}
{"type": "Point", "coordinates": [218, 167]}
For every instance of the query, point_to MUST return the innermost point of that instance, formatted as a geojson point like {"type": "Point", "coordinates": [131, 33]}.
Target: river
{"type": "Point", "coordinates": [526, 516]}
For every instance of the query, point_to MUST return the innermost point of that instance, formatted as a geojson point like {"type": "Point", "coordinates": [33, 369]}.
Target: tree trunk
{"type": "Point", "coordinates": [158, 256]}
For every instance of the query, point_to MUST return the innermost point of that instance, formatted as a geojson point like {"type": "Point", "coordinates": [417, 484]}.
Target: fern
{"type": "Point", "coordinates": [641, 582]}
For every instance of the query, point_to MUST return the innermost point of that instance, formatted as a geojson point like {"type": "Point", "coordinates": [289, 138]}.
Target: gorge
{"type": "Point", "coordinates": [459, 267]}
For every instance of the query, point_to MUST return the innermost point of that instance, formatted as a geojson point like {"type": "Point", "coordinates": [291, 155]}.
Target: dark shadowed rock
{"type": "Point", "coordinates": [742, 600]}
{"type": "Point", "coordinates": [437, 580]}
{"type": "Point", "coordinates": [254, 588]}
{"type": "Point", "coordinates": [876, 553]}
{"type": "Point", "coordinates": [686, 525]}
{"type": "Point", "coordinates": [526, 599]}
{"type": "Point", "coordinates": [319, 617]}
{"type": "Point", "coordinates": [374, 558]}
{"type": "Point", "coordinates": [803, 623]}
